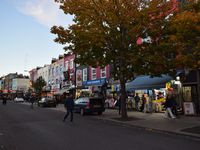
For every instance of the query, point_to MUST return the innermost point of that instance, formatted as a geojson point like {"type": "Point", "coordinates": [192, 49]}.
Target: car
{"type": "Point", "coordinates": [47, 102]}
{"type": "Point", "coordinates": [18, 99]}
{"type": "Point", "coordinates": [86, 105]}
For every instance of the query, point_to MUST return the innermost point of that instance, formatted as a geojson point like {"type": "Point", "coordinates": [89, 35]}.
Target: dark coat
{"type": "Point", "coordinates": [69, 103]}
{"type": "Point", "coordinates": [137, 99]}
{"type": "Point", "coordinates": [170, 102]}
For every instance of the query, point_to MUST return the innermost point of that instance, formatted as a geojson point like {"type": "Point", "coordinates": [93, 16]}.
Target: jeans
{"type": "Point", "coordinates": [169, 113]}
{"type": "Point", "coordinates": [69, 111]}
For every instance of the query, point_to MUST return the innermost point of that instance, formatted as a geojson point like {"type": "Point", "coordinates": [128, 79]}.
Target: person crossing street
{"type": "Point", "coordinates": [69, 105]}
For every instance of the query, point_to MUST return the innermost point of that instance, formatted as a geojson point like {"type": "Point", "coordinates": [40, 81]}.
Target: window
{"type": "Point", "coordinates": [85, 74]}
{"type": "Point", "coordinates": [66, 65]}
{"type": "Point", "coordinates": [94, 73]}
{"type": "Point", "coordinates": [61, 69]}
{"type": "Point", "coordinates": [49, 72]}
{"type": "Point", "coordinates": [71, 64]}
{"type": "Point", "coordinates": [103, 73]}
{"type": "Point", "coordinates": [52, 71]}
{"type": "Point", "coordinates": [57, 69]}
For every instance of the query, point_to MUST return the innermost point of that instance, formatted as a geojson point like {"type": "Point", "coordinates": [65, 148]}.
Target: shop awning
{"type": "Point", "coordinates": [60, 92]}
{"type": "Point", "coordinates": [147, 82]}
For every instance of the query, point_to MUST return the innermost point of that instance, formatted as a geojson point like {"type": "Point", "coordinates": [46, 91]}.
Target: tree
{"type": "Point", "coordinates": [105, 32]}
{"type": "Point", "coordinates": [38, 85]}
{"type": "Point", "coordinates": [184, 34]}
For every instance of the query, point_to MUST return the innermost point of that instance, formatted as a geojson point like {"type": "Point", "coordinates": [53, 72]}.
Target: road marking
{"type": "Point", "coordinates": [1, 134]}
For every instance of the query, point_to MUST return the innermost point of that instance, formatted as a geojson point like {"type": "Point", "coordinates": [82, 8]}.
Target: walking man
{"type": "Point", "coordinates": [32, 100]}
{"type": "Point", "coordinates": [4, 100]}
{"type": "Point", "coordinates": [169, 105]}
{"type": "Point", "coordinates": [69, 105]}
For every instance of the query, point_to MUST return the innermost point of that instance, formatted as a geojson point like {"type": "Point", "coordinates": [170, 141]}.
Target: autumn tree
{"type": "Point", "coordinates": [184, 34]}
{"type": "Point", "coordinates": [38, 85]}
{"type": "Point", "coordinates": [106, 32]}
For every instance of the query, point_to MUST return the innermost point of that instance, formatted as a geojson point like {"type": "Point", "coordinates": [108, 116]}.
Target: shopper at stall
{"type": "Point", "coordinates": [146, 103]}
{"type": "Point", "coordinates": [137, 100]}
{"type": "Point", "coordinates": [143, 103]}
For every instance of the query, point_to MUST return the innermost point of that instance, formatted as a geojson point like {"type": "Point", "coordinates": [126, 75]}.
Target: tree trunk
{"type": "Point", "coordinates": [123, 100]}
{"type": "Point", "coordinates": [122, 66]}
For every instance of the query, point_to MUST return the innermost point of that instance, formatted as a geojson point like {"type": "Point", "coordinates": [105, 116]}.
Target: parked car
{"type": "Point", "coordinates": [89, 105]}
{"type": "Point", "coordinates": [47, 102]}
{"type": "Point", "coordinates": [18, 99]}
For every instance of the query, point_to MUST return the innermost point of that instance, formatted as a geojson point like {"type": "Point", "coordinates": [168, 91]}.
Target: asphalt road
{"type": "Point", "coordinates": [22, 128]}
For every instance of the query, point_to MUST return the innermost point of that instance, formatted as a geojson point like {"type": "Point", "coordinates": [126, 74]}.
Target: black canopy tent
{"type": "Point", "coordinates": [148, 82]}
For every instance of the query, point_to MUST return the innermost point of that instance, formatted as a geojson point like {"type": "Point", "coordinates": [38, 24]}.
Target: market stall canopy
{"type": "Point", "coordinates": [148, 82]}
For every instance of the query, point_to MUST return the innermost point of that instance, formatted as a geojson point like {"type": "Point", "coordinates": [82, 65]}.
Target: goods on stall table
{"type": "Point", "coordinates": [157, 104]}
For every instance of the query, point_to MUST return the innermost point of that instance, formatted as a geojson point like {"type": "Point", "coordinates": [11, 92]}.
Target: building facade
{"type": "Point", "coordinates": [21, 84]}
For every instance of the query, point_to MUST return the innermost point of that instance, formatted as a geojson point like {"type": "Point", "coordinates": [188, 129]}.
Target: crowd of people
{"type": "Point", "coordinates": [146, 103]}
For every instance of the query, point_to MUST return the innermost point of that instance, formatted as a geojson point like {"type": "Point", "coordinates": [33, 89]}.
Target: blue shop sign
{"type": "Point", "coordinates": [94, 82]}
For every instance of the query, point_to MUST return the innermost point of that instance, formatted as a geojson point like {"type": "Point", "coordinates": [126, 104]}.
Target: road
{"type": "Point", "coordinates": [22, 128]}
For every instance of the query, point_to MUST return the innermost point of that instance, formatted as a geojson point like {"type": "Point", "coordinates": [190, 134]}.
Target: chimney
{"type": "Point", "coordinates": [53, 60]}
{"type": "Point", "coordinates": [61, 57]}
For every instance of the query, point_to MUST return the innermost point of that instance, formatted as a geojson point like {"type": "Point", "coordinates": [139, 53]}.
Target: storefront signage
{"type": "Point", "coordinates": [95, 82]}
{"type": "Point", "coordinates": [189, 108]}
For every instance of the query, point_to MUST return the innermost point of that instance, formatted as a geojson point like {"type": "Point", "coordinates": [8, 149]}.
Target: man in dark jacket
{"type": "Point", "coordinates": [69, 105]}
{"type": "Point", "coordinates": [4, 100]}
{"type": "Point", "coordinates": [169, 104]}
{"type": "Point", "coordinates": [137, 100]}
{"type": "Point", "coordinates": [32, 100]}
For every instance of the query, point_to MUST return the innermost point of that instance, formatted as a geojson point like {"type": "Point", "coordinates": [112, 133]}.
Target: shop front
{"type": "Point", "coordinates": [95, 86]}
{"type": "Point", "coordinates": [190, 91]}
{"type": "Point", "coordinates": [154, 88]}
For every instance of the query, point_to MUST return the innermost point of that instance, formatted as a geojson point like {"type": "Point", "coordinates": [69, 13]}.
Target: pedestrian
{"type": "Point", "coordinates": [4, 100]}
{"type": "Point", "coordinates": [69, 105]}
{"type": "Point", "coordinates": [119, 104]}
{"type": "Point", "coordinates": [137, 100]}
{"type": "Point", "coordinates": [169, 104]}
{"type": "Point", "coordinates": [146, 103]}
{"type": "Point", "coordinates": [32, 100]}
{"type": "Point", "coordinates": [143, 103]}
{"type": "Point", "coordinates": [151, 98]}
{"type": "Point", "coordinates": [174, 107]}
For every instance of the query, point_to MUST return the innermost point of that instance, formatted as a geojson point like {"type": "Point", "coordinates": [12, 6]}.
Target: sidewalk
{"type": "Point", "coordinates": [184, 125]}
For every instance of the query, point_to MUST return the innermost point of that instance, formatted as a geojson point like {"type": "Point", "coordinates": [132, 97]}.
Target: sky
{"type": "Point", "coordinates": [25, 38]}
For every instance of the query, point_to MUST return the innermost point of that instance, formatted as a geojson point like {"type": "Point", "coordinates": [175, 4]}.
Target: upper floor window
{"type": "Point", "coordinates": [66, 65]}
{"type": "Point", "coordinates": [49, 72]}
{"type": "Point", "coordinates": [103, 73]}
{"type": "Point", "coordinates": [94, 72]}
{"type": "Point", "coordinates": [71, 64]}
{"type": "Point", "coordinates": [61, 68]}
{"type": "Point", "coordinates": [52, 71]}
{"type": "Point", "coordinates": [85, 74]}
{"type": "Point", "coordinates": [57, 70]}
